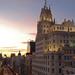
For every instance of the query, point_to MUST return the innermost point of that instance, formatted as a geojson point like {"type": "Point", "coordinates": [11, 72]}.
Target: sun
{"type": "Point", "coordinates": [11, 38]}
{"type": "Point", "coordinates": [8, 36]}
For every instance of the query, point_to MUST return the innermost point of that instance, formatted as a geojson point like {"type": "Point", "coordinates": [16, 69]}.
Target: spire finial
{"type": "Point", "coordinates": [45, 3]}
{"type": "Point", "coordinates": [19, 53]}
{"type": "Point", "coordinates": [72, 21]}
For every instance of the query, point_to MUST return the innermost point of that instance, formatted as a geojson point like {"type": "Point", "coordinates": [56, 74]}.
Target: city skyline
{"type": "Point", "coordinates": [18, 19]}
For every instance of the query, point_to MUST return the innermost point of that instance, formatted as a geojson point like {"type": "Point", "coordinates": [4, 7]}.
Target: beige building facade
{"type": "Point", "coordinates": [50, 39]}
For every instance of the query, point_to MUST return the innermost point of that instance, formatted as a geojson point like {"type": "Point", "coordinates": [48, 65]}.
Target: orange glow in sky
{"type": "Point", "coordinates": [18, 20]}
{"type": "Point", "coordinates": [11, 39]}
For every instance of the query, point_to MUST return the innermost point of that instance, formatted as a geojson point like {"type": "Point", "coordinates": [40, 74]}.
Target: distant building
{"type": "Point", "coordinates": [1, 56]}
{"type": "Point", "coordinates": [51, 38]}
{"type": "Point", "coordinates": [31, 47]}
{"type": "Point", "coordinates": [12, 55]}
{"type": "Point", "coordinates": [28, 64]}
{"type": "Point", "coordinates": [30, 51]}
{"type": "Point", "coordinates": [1, 59]}
{"type": "Point", "coordinates": [18, 64]}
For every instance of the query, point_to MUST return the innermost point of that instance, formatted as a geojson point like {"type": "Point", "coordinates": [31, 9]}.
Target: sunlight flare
{"type": "Point", "coordinates": [11, 38]}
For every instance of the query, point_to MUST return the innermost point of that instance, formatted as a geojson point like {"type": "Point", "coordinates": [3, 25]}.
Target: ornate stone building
{"type": "Point", "coordinates": [51, 38]}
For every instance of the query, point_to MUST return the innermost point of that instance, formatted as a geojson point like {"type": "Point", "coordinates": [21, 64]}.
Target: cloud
{"type": "Point", "coordinates": [32, 33]}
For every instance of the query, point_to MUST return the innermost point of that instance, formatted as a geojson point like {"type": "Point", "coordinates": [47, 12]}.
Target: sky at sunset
{"type": "Point", "coordinates": [18, 19]}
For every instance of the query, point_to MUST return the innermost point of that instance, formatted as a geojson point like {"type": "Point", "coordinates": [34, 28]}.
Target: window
{"type": "Point", "coordinates": [74, 51]}
{"type": "Point", "coordinates": [67, 36]}
{"type": "Point", "coordinates": [67, 41]}
{"type": "Point", "coordinates": [71, 63]}
{"type": "Point", "coordinates": [53, 41]}
{"type": "Point", "coordinates": [64, 41]}
{"type": "Point", "coordinates": [52, 56]}
{"type": "Point", "coordinates": [52, 70]}
{"type": "Point", "coordinates": [57, 27]}
{"type": "Point", "coordinates": [49, 47]}
{"type": "Point", "coordinates": [59, 57]}
{"type": "Point", "coordinates": [60, 41]}
{"type": "Point", "coordinates": [70, 51]}
{"type": "Point", "coordinates": [59, 70]}
{"type": "Point", "coordinates": [54, 46]}
{"type": "Point", "coordinates": [66, 51]}
{"type": "Point", "coordinates": [52, 63]}
{"type": "Point", "coordinates": [64, 36]}
{"type": "Point", "coordinates": [59, 63]}
{"type": "Point", "coordinates": [67, 57]}
{"type": "Point", "coordinates": [48, 62]}
{"type": "Point", "coordinates": [44, 30]}
{"type": "Point", "coordinates": [71, 29]}
{"type": "Point", "coordinates": [62, 28]}
{"type": "Point", "coordinates": [54, 28]}
{"type": "Point", "coordinates": [48, 69]}
{"type": "Point", "coordinates": [48, 56]}
{"type": "Point", "coordinates": [47, 26]}
{"type": "Point", "coordinates": [71, 36]}
{"type": "Point", "coordinates": [44, 25]}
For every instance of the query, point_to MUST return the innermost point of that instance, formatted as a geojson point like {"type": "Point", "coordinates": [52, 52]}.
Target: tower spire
{"type": "Point", "coordinates": [45, 4]}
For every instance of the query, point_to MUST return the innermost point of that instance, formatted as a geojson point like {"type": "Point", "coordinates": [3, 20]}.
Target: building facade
{"type": "Point", "coordinates": [30, 51]}
{"type": "Point", "coordinates": [31, 47]}
{"type": "Point", "coordinates": [68, 60]}
{"type": "Point", "coordinates": [51, 38]}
